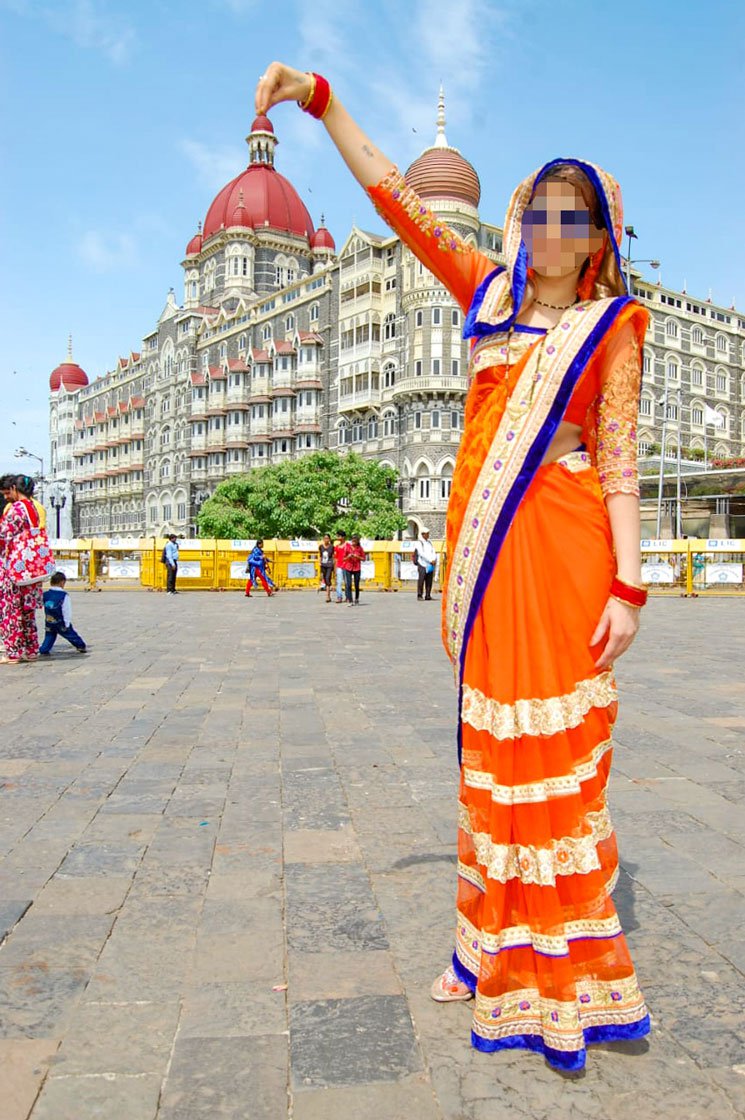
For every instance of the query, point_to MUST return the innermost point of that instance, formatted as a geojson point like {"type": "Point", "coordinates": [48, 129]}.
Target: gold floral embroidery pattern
{"type": "Point", "coordinates": [570, 855]}
{"type": "Point", "coordinates": [521, 422]}
{"type": "Point", "coordinates": [525, 1011]}
{"type": "Point", "coordinates": [472, 875]}
{"type": "Point", "coordinates": [617, 408]}
{"type": "Point", "coordinates": [554, 945]}
{"type": "Point", "coordinates": [409, 201]}
{"type": "Point", "coordinates": [532, 793]}
{"type": "Point", "coordinates": [537, 717]}
{"type": "Point", "coordinates": [500, 350]}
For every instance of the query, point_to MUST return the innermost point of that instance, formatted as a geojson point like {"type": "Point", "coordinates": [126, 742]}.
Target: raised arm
{"type": "Point", "coordinates": [455, 263]}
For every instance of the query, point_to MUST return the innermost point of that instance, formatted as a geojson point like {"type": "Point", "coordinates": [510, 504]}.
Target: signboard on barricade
{"type": "Point", "coordinates": [238, 569]}
{"type": "Point", "coordinates": [123, 569]}
{"type": "Point", "coordinates": [367, 570]}
{"type": "Point", "coordinates": [715, 574]}
{"type": "Point", "coordinates": [719, 544]}
{"type": "Point", "coordinates": [71, 568]}
{"type": "Point", "coordinates": [242, 546]}
{"type": "Point", "coordinates": [189, 546]}
{"type": "Point", "coordinates": [657, 572]}
{"type": "Point", "coordinates": [408, 570]}
{"type": "Point", "coordinates": [303, 546]}
{"type": "Point", "coordinates": [189, 569]}
{"type": "Point", "coordinates": [301, 571]}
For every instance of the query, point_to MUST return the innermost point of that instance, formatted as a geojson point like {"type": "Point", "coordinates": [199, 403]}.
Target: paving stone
{"type": "Point", "coordinates": [233, 1010]}
{"type": "Point", "coordinates": [24, 1063]}
{"type": "Point", "coordinates": [99, 1098]}
{"type": "Point", "coordinates": [410, 1098]}
{"type": "Point", "coordinates": [352, 1041]}
{"type": "Point", "coordinates": [118, 1038]}
{"type": "Point", "coordinates": [11, 911]}
{"type": "Point", "coordinates": [340, 974]}
{"type": "Point", "coordinates": [332, 907]}
{"type": "Point", "coordinates": [37, 1001]}
{"type": "Point", "coordinates": [231, 1078]}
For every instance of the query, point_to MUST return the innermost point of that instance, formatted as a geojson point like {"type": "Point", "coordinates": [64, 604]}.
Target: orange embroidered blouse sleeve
{"type": "Point", "coordinates": [617, 410]}
{"type": "Point", "coordinates": [455, 263]}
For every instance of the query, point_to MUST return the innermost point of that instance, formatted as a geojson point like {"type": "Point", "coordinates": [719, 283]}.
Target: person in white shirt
{"type": "Point", "coordinates": [425, 559]}
{"type": "Point", "coordinates": [171, 560]}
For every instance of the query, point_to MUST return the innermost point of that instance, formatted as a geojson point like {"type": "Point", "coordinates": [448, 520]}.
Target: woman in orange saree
{"type": "Point", "coordinates": [541, 592]}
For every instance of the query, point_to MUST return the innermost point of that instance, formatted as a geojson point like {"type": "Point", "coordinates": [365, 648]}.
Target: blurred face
{"type": "Point", "coordinates": [558, 230]}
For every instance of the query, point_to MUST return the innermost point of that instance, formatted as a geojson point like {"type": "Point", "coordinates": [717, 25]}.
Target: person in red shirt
{"type": "Point", "coordinates": [352, 571]}
{"type": "Point", "coordinates": [340, 559]}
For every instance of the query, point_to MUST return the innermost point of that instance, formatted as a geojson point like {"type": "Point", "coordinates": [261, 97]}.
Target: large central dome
{"type": "Point", "coordinates": [259, 197]}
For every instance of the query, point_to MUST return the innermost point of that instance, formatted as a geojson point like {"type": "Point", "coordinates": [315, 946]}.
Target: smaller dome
{"type": "Point", "coordinates": [240, 216]}
{"type": "Point", "coordinates": [441, 172]}
{"type": "Point", "coordinates": [262, 124]}
{"type": "Point", "coordinates": [194, 248]}
{"type": "Point", "coordinates": [68, 373]}
{"type": "Point", "coordinates": [322, 239]}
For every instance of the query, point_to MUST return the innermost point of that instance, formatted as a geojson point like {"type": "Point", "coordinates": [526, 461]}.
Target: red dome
{"type": "Point", "coordinates": [443, 173]}
{"type": "Point", "coordinates": [68, 374]}
{"type": "Point", "coordinates": [268, 200]}
{"type": "Point", "coordinates": [322, 239]}
{"type": "Point", "coordinates": [262, 124]}
{"type": "Point", "coordinates": [195, 245]}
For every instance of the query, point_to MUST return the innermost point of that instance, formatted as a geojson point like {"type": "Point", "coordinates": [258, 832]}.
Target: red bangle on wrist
{"type": "Point", "coordinates": [318, 101]}
{"type": "Point", "coordinates": [628, 593]}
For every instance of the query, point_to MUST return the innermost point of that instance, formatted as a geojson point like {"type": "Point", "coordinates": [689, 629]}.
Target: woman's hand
{"type": "Point", "coordinates": [280, 83]}
{"type": "Point", "coordinates": [620, 623]}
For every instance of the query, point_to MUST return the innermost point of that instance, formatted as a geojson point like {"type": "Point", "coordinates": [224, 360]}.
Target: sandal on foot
{"type": "Point", "coordinates": [448, 988]}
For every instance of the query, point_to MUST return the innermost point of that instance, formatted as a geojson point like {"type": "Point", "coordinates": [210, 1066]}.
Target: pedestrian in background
{"type": "Point", "coordinates": [170, 553]}
{"type": "Point", "coordinates": [353, 570]}
{"type": "Point", "coordinates": [340, 561]}
{"type": "Point", "coordinates": [18, 603]}
{"type": "Point", "coordinates": [326, 562]}
{"type": "Point", "coordinates": [425, 559]}
{"type": "Point", "coordinates": [256, 566]}
{"type": "Point", "coordinates": [58, 617]}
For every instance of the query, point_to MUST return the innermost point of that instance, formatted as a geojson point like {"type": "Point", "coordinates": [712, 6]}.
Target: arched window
{"type": "Point", "coordinates": [697, 336]}
{"type": "Point", "coordinates": [721, 380]}
{"type": "Point", "coordinates": [697, 415]}
{"type": "Point", "coordinates": [720, 343]}
{"type": "Point", "coordinates": [389, 423]}
{"type": "Point", "coordinates": [645, 406]}
{"type": "Point", "coordinates": [673, 369]}
{"type": "Point", "coordinates": [671, 328]}
{"type": "Point", "coordinates": [446, 480]}
{"type": "Point", "coordinates": [389, 375]}
{"type": "Point", "coordinates": [314, 313]}
{"type": "Point", "coordinates": [290, 323]}
{"type": "Point", "coordinates": [419, 319]}
{"type": "Point", "coordinates": [389, 326]}
{"type": "Point", "coordinates": [423, 482]}
{"type": "Point", "coordinates": [648, 361]}
{"type": "Point", "coordinates": [372, 427]}
{"type": "Point", "coordinates": [697, 374]}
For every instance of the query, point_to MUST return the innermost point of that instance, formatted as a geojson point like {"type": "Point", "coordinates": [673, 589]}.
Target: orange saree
{"type": "Point", "coordinates": [530, 562]}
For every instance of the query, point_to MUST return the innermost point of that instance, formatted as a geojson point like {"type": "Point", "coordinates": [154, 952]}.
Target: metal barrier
{"type": "Point", "coordinates": [689, 567]}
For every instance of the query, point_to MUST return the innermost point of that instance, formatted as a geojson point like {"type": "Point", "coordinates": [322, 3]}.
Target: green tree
{"type": "Point", "coordinates": [319, 493]}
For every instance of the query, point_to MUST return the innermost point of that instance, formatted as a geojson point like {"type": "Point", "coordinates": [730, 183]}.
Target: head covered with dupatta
{"type": "Point", "coordinates": [500, 297]}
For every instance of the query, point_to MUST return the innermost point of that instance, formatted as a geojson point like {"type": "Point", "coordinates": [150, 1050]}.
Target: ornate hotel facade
{"type": "Point", "coordinates": [282, 345]}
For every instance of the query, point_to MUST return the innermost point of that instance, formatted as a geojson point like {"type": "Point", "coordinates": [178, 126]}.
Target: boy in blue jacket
{"type": "Point", "coordinates": [58, 617]}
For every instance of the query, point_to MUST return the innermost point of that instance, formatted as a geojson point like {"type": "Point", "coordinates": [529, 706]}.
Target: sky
{"type": "Point", "coordinates": [122, 120]}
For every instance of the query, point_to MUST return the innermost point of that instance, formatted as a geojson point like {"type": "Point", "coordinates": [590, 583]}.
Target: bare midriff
{"type": "Point", "coordinates": [568, 438]}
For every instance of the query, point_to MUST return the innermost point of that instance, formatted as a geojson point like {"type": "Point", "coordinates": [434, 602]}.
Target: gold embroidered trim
{"type": "Point", "coordinates": [446, 239]}
{"type": "Point", "coordinates": [555, 945]}
{"type": "Point", "coordinates": [570, 855]}
{"type": "Point", "coordinates": [537, 717]}
{"type": "Point", "coordinates": [497, 351]}
{"type": "Point", "coordinates": [616, 426]}
{"type": "Point", "coordinates": [472, 875]}
{"type": "Point", "coordinates": [533, 792]}
{"type": "Point", "coordinates": [560, 1023]}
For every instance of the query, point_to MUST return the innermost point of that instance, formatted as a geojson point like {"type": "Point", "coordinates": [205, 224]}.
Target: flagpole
{"type": "Point", "coordinates": [706, 444]}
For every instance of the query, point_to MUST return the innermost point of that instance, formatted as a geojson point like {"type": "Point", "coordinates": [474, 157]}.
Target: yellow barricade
{"type": "Point", "coordinates": [689, 567]}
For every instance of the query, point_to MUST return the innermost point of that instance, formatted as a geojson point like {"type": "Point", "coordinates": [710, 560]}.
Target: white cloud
{"type": "Point", "coordinates": [87, 23]}
{"type": "Point", "coordinates": [215, 165]}
{"type": "Point", "coordinates": [105, 252]}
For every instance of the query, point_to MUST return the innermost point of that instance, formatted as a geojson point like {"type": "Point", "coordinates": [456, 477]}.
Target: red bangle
{"type": "Point", "coordinates": [628, 593]}
{"type": "Point", "coordinates": [318, 101]}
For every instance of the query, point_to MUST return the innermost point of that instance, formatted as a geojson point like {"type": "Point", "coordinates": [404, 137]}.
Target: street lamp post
{"type": "Point", "coordinates": [22, 453]}
{"type": "Point", "coordinates": [57, 502]}
{"type": "Point", "coordinates": [637, 260]}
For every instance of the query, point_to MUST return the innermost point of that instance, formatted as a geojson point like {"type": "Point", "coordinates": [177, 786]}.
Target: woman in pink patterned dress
{"type": "Point", "coordinates": [18, 605]}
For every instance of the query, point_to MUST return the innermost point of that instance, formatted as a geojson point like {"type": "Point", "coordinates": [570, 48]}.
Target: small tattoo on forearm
{"type": "Point", "coordinates": [368, 150]}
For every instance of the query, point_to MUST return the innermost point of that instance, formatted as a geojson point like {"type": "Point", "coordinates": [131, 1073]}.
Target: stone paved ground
{"type": "Point", "coordinates": [226, 798]}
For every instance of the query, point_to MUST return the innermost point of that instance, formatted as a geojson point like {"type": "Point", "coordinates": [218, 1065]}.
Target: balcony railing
{"type": "Point", "coordinates": [430, 383]}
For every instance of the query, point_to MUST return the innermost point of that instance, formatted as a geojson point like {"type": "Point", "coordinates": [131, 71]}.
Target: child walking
{"type": "Point", "coordinates": [58, 617]}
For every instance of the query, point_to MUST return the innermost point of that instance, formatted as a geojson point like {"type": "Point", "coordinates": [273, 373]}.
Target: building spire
{"type": "Point", "coordinates": [441, 139]}
{"type": "Point", "coordinates": [69, 347]}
